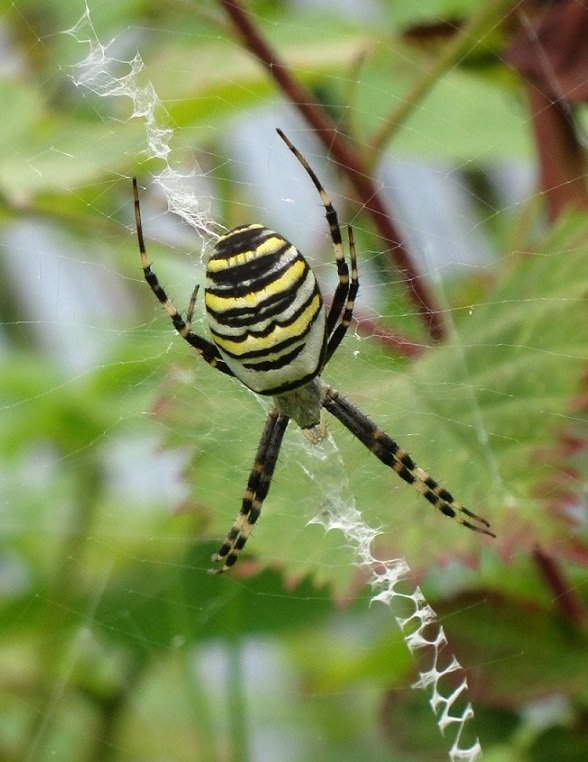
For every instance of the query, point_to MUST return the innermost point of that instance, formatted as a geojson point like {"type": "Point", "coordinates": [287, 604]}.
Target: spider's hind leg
{"type": "Point", "coordinates": [392, 455]}
{"type": "Point", "coordinates": [257, 488]}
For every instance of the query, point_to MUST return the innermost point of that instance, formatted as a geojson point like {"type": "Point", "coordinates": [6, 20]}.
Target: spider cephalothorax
{"type": "Point", "coordinates": [270, 330]}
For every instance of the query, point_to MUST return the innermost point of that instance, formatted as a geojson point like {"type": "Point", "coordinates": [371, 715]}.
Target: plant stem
{"type": "Point", "coordinates": [348, 161]}
{"type": "Point", "coordinates": [565, 600]}
{"type": "Point", "coordinates": [480, 23]}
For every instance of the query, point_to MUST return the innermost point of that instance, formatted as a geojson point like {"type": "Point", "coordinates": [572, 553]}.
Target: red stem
{"type": "Point", "coordinates": [332, 139]}
{"type": "Point", "coordinates": [561, 157]}
{"type": "Point", "coordinates": [401, 345]}
{"type": "Point", "coordinates": [564, 598]}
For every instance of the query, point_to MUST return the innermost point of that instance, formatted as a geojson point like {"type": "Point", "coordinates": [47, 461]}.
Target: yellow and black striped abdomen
{"type": "Point", "coordinates": [265, 310]}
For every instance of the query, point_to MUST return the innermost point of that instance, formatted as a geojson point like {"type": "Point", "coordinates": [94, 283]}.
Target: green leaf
{"type": "Point", "coordinates": [492, 637]}
{"type": "Point", "coordinates": [49, 152]}
{"type": "Point", "coordinates": [482, 413]}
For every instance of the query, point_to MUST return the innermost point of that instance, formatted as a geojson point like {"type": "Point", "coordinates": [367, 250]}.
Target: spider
{"type": "Point", "coordinates": [271, 330]}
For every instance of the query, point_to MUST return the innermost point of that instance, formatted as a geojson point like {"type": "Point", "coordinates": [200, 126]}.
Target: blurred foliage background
{"type": "Point", "coordinates": [124, 458]}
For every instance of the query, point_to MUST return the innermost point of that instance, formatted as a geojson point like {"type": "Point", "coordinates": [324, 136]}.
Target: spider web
{"type": "Point", "coordinates": [451, 411]}
{"type": "Point", "coordinates": [95, 74]}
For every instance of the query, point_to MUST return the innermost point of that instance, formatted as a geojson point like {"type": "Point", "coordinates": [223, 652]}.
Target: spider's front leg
{"type": "Point", "coordinates": [205, 348]}
{"type": "Point", "coordinates": [257, 488]}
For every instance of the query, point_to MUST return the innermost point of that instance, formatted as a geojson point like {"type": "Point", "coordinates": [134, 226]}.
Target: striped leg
{"type": "Point", "coordinates": [184, 327]}
{"type": "Point", "coordinates": [341, 328]}
{"type": "Point", "coordinates": [345, 292]}
{"type": "Point", "coordinates": [388, 451]}
{"type": "Point", "coordinates": [257, 488]}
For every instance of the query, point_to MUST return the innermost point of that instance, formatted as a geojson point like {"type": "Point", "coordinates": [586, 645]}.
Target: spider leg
{"type": "Point", "coordinates": [343, 287]}
{"type": "Point", "coordinates": [391, 454]}
{"type": "Point", "coordinates": [341, 329]}
{"type": "Point", "coordinates": [206, 349]}
{"type": "Point", "coordinates": [257, 488]}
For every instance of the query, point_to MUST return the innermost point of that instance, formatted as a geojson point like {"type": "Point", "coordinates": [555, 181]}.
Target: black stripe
{"type": "Point", "coordinates": [288, 387]}
{"type": "Point", "coordinates": [264, 308]}
{"type": "Point", "coordinates": [253, 277]}
{"type": "Point", "coordinates": [241, 238]}
{"type": "Point", "coordinates": [278, 362]}
{"type": "Point", "coordinates": [252, 270]}
{"type": "Point", "coordinates": [261, 333]}
{"type": "Point", "coordinates": [276, 349]}
{"type": "Point", "coordinates": [244, 316]}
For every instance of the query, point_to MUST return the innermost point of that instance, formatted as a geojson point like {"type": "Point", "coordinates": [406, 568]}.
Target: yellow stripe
{"type": "Point", "coordinates": [279, 334]}
{"type": "Point", "coordinates": [270, 246]}
{"type": "Point", "coordinates": [286, 281]}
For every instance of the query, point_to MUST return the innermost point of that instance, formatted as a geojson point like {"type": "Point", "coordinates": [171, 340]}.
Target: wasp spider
{"type": "Point", "coordinates": [270, 330]}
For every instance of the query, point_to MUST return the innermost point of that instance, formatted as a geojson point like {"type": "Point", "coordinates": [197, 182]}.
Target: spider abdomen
{"type": "Point", "coordinates": [265, 310]}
